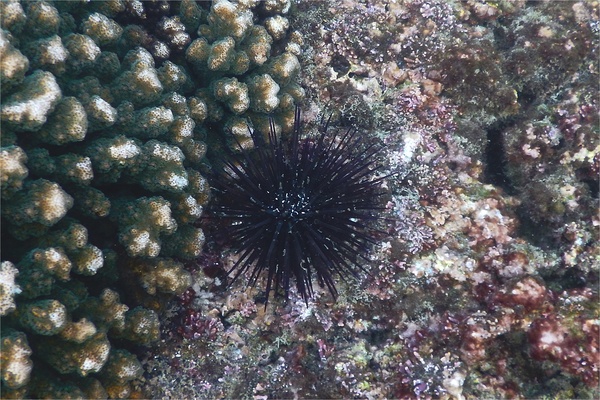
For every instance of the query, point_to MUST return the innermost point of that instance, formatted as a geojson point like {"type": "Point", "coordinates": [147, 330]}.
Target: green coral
{"type": "Point", "coordinates": [236, 55]}
{"type": "Point", "coordinates": [102, 146]}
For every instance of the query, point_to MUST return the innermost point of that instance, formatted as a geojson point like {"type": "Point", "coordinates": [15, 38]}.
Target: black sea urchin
{"type": "Point", "coordinates": [303, 206]}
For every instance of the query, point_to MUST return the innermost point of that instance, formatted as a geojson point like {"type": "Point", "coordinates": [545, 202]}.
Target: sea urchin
{"type": "Point", "coordinates": [301, 207]}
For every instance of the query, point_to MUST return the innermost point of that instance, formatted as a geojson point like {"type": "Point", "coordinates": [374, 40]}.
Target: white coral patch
{"type": "Point", "coordinates": [83, 169]}
{"type": "Point", "coordinates": [8, 287]}
{"type": "Point", "coordinates": [16, 365]}
{"type": "Point", "coordinates": [30, 107]}
{"type": "Point", "coordinates": [193, 208]}
{"type": "Point", "coordinates": [54, 52]}
{"type": "Point", "coordinates": [12, 164]}
{"type": "Point", "coordinates": [58, 315]}
{"type": "Point", "coordinates": [177, 181]}
{"type": "Point", "coordinates": [161, 215]}
{"type": "Point", "coordinates": [148, 79]}
{"type": "Point", "coordinates": [140, 240]}
{"type": "Point", "coordinates": [96, 360]}
{"type": "Point", "coordinates": [124, 151]}
{"type": "Point", "coordinates": [101, 110]}
{"type": "Point", "coordinates": [54, 204]}
{"type": "Point", "coordinates": [167, 153]}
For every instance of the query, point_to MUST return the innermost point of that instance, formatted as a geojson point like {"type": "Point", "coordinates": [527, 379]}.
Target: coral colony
{"type": "Point", "coordinates": [105, 109]}
{"type": "Point", "coordinates": [301, 206]}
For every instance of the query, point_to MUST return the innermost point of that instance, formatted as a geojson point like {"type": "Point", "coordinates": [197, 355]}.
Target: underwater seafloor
{"type": "Point", "coordinates": [485, 286]}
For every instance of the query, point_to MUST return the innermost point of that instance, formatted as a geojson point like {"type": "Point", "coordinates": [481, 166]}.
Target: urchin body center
{"type": "Point", "coordinates": [290, 206]}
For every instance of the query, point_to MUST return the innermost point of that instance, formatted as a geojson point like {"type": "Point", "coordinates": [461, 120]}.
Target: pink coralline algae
{"type": "Point", "coordinates": [528, 293]}
{"type": "Point", "coordinates": [194, 325]}
{"type": "Point", "coordinates": [573, 342]}
{"type": "Point", "coordinates": [484, 284]}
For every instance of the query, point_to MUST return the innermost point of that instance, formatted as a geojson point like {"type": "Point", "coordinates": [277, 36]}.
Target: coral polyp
{"type": "Point", "coordinates": [301, 208]}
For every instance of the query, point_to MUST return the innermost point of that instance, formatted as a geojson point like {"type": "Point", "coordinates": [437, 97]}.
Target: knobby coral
{"type": "Point", "coordinates": [105, 110]}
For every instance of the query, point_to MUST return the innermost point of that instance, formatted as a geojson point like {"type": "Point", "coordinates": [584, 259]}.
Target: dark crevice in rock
{"type": "Point", "coordinates": [495, 158]}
